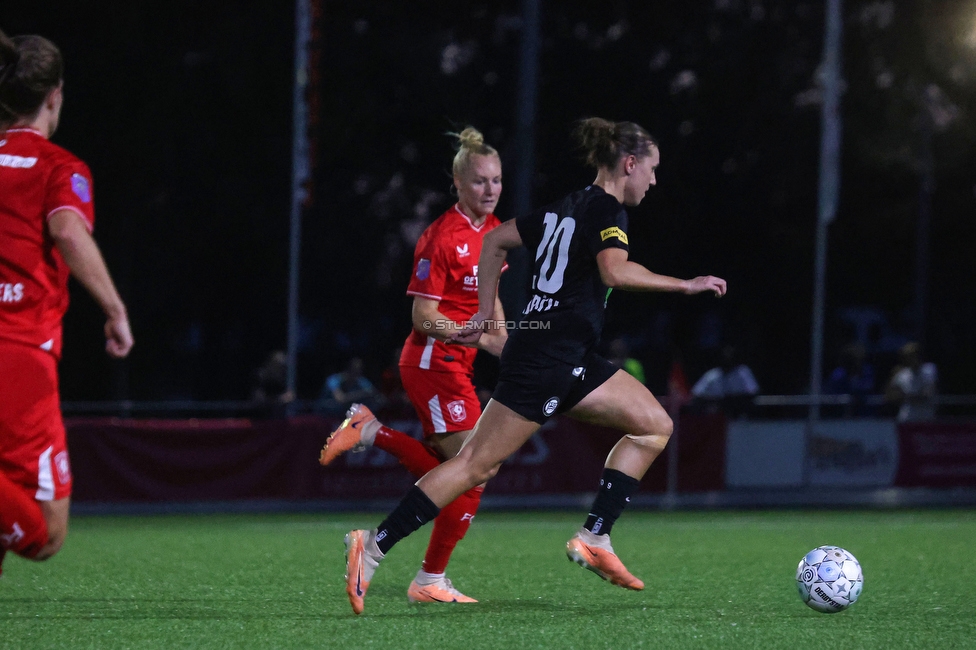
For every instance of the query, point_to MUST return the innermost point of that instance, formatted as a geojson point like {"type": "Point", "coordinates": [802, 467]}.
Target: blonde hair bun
{"type": "Point", "coordinates": [470, 142]}
{"type": "Point", "coordinates": [470, 138]}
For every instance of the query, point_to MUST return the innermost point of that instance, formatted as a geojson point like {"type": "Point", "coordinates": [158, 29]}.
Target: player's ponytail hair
{"type": "Point", "coordinates": [470, 142]}
{"type": "Point", "coordinates": [30, 68]}
{"type": "Point", "coordinates": [606, 142]}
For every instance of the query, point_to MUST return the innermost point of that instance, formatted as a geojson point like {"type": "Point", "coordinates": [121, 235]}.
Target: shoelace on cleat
{"type": "Point", "coordinates": [450, 588]}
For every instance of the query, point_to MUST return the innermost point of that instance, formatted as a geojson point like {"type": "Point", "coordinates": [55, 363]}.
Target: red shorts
{"type": "Point", "coordinates": [446, 402]}
{"type": "Point", "coordinates": [32, 441]}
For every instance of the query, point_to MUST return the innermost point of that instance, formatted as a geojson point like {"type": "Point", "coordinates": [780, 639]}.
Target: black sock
{"type": "Point", "coordinates": [415, 510]}
{"type": "Point", "coordinates": [615, 490]}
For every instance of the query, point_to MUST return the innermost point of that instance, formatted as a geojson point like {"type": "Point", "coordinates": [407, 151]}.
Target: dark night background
{"type": "Point", "coordinates": [183, 111]}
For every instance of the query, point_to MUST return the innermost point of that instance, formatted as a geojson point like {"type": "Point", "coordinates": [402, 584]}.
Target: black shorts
{"type": "Point", "coordinates": [538, 387]}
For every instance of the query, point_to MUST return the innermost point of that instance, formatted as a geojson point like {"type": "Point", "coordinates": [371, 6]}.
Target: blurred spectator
{"type": "Point", "coordinates": [912, 386]}
{"type": "Point", "coordinates": [270, 390]}
{"type": "Point", "coordinates": [344, 388]}
{"type": "Point", "coordinates": [620, 357]}
{"type": "Point", "coordinates": [730, 385]}
{"type": "Point", "coordinates": [855, 377]}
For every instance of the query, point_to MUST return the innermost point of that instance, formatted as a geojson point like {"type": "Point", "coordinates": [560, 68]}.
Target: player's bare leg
{"type": "Point", "coordinates": [499, 433]}
{"type": "Point", "coordinates": [625, 404]}
{"type": "Point", "coordinates": [32, 529]}
{"type": "Point", "coordinates": [56, 516]}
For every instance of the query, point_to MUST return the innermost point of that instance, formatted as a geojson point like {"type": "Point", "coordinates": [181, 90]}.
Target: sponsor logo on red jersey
{"type": "Point", "coordinates": [11, 292]}
{"type": "Point", "coordinates": [17, 162]}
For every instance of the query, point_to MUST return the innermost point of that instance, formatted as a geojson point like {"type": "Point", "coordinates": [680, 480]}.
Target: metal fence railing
{"type": "Point", "coordinates": [761, 406]}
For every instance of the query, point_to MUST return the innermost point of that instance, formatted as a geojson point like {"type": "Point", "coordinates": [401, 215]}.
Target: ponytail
{"type": "Point", "coordinates": [606, 142]}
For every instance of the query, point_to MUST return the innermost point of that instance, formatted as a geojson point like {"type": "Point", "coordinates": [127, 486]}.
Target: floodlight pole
{"type": "Point", "coordinates": [528, 90]}
{"type": "Point", "coordinates": [299, 178]}
{"type": "Point", "coordinates": [512, 290]}
{"type": "Point", "coordinates": [923, 226]}
{"type": "Point", "coordinates": [829, 190]}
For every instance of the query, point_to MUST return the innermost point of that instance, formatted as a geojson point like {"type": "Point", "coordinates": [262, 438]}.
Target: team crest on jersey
{"type": "Point", "coordinates": [462, 250]}
{"type": "Point", "coordinates": [63, 466]}
{"type": "Point", "coordinates": [551, 406]}
{"type": "Point", "coordinates": [81, 187]}
{"type": "Point", "coordinates": [423, 269]}
{"type": "Point", "coordinates": [457, 411]}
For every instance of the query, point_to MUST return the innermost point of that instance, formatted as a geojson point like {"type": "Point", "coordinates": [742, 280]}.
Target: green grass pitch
{"type": "Point", "coordinates": [714, 580]}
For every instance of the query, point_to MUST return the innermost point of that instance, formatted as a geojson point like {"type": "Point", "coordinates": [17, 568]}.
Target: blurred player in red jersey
{"type": "Point", "coordinates": [46, 219]}
{"type": "Point", "coordinates": [438, 376]}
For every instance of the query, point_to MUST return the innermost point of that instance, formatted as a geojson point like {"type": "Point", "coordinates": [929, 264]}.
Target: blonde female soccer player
{"type": "Point", "coordinates": [436, 372]}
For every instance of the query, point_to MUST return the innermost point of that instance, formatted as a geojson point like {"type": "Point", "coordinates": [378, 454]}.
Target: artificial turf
{"type": "Point", "coordinates": [713, 580]}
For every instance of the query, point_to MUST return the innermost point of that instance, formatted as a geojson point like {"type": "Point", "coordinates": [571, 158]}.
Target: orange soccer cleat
{"type": "Point", "coordinates": [350, 434]}
{"type": "Point", "coordinates": [595, 553]}
{"type": "Point", "coordinates": [439, 591]}
{"type": "Point", "coordinates": [360, 567]}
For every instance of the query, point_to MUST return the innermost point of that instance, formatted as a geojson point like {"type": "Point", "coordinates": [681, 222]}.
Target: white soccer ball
{"type": "Point", "coordinates": [829, 579]}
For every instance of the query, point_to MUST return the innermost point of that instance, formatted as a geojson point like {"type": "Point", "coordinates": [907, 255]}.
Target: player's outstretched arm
{"type": "Point", "coordinates": [494, 249]}
{"type": "Point", "coordinates": [618, 272]}
{"type": "Point", "coordinates": [82, 256]}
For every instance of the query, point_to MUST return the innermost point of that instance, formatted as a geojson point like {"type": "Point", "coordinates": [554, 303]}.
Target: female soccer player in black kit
{"type": "Point", "coordinates": [550, 366]}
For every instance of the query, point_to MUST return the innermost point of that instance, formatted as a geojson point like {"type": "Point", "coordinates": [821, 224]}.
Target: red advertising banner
{"type": "Point", "coordinates": [937, 454]}
{"type": "Point", "coordinates": [117, 460]}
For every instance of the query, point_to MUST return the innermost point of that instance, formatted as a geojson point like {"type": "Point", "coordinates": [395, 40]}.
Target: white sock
{"type": "Point", "coordinates": [591, 538]}
{"type": "Point", "coordinates": [368, 434]}
{"type": "Point", "coordinates": [372, 550]}
{"type": "Point", "coordinates": [423, 578]}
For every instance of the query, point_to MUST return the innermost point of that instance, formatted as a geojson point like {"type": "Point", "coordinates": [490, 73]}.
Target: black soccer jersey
{"type": "Point", "coordinates": [563, 318]}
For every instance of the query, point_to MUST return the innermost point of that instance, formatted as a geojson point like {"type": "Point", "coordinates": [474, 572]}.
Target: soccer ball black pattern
{"type": "Point", "coordinates": [829, 579]}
